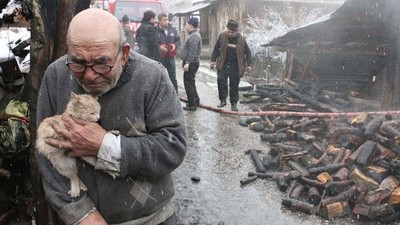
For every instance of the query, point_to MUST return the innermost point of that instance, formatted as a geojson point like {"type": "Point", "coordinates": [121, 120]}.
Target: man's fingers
{"type": "Point", "coordinates": [71, 122]}
{"type": "Point", "coordinates": [55, 125]}
{"type": "Point", "coordinates": [57, 143]}
{"type": "Point", "coordinates": [70, 153]}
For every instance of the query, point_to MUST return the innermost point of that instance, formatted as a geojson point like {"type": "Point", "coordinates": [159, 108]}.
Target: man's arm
{"type": "Point", "coordinates": [215, 52]}
{"type": "Point", "coordinates": [153, 43]}
{"type": "Point", "coordinates": [163, 148]}
{"type": "Point", "coordinates": [192, 49]}
{"type": "Point", "coordinates": [92, 218]}
{"type": "Point", "coordinates": [56, 186]}
{"type": "Point", "coordinates": [247, 53]}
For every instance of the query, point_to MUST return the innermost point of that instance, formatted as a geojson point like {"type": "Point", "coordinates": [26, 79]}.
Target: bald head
{"type": "Point", "coordinates": [93, 26]}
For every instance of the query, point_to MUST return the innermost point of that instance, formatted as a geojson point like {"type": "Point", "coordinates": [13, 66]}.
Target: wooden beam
{"type": "Point", "coordinates": [289, 65]}
{"type": "Point", "coordinates": [343, 51]}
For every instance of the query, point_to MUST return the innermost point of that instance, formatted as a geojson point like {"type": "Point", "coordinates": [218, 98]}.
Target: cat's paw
{"type": "Point", "coordinates": [75, 188]}
{"type": "Point", "coordinates": [82, 186]}
{"type": "Point", "coordinates": [74, 192]}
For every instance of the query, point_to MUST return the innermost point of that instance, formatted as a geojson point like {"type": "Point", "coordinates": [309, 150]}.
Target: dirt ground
{"type": "Point", "coordinates": [216, 161]}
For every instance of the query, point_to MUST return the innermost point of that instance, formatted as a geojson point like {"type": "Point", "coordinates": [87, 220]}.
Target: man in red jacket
{"type": "Point", "coordinates": [169, 41]}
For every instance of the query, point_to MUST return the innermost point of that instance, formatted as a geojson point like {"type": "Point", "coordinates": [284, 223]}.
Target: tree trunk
{"type": "Point", "coordinates": [49, 26]}
{"type": "Point", "coordinates": [391, 90]}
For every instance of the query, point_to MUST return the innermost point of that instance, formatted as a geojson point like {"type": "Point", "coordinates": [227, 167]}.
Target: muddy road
{"type": "Point", "coordinates": [216, 159]}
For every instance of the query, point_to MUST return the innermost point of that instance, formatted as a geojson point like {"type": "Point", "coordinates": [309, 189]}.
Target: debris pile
{"type": "Point", "coordinates": [16, 202]}
{"type": "Point", "coordinates": [307, 97]}
{"type": "Point", "coordinates": [331, 167]}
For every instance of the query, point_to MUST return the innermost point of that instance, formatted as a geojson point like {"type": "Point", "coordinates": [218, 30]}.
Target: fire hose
{"type": "Point", "coordinates": [297, 114]}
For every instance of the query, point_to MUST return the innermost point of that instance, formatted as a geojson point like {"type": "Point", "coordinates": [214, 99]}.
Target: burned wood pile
{"type": "Point", "coordinates": [331, 167]}
{"type": "Point", "coordinates": [306, 97]}
{"type": "Point", "coordinates": [334, 161]}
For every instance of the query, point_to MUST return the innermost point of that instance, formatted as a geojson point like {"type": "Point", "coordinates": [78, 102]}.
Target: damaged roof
{"type": "Point", "coordinates": [348, 51]}
{"type": "Point", "coordinates": [358, 25]}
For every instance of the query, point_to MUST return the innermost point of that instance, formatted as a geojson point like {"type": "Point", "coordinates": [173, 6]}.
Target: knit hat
{"type": "Point", "coordinates": [194, 22]}
{"type": "Point", "coordinates": [125, 19]}
{"type": "Point", "coordinates": [232, 25]}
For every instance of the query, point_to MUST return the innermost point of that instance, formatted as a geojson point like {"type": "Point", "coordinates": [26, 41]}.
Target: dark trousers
{"type": "Point", "coordinates": [189, 80]}
{"type": "Point", "coordinates": [170, 221]}
{"type": "Point", "coordinates": [169, 64]}
{"type": "Point", "coordinates": [222, 80]}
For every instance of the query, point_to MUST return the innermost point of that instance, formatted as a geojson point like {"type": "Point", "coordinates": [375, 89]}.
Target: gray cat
{"type": "Point", "coordinates": [83, 107]}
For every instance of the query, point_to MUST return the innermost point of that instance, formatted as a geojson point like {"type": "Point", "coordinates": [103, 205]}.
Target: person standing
{"type": "Point", "coordinates": [169, 42]}
{"type": "Point", "coordinates": [232, 57]}
{"type": "Point", "coordinates": [190, 56]}
{"type": "Point", "coordinates": [128, 31]}
{"type": "Point", "coordinates": [138, 100]}
{"type": "Point", "coordinates": [146, 36]}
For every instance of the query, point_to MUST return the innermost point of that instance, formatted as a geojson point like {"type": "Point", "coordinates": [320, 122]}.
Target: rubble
{"type": "Point", "coordinates": [15, 178]}
{"type": "Point", "coordinates": [332, 166]}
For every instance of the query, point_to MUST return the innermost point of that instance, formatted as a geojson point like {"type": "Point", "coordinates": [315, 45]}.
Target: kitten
{"type": "Point", "coordinates": [83, 107]}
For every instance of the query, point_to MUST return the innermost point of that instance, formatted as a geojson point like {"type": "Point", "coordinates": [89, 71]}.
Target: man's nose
{"type": "Point", "coordinates": [90, 74]}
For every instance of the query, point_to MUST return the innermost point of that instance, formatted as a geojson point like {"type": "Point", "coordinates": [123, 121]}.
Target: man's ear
{"type": "Point", "coordinates": [125, 51]}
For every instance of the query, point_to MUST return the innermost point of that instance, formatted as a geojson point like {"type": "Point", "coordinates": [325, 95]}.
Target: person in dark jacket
{"type": "Point", "coordinates": [128, 31]}
{"type": "Point", "coordinates": [138, 102]}
{"type": "Point", "coordinates": [190, 56]}
{"type": "Point", "coordinates": [232, 57]}
{"type": "Point", "coordinates": [169, 42]}
{"type": "Point", "coordinates": [146, 37]}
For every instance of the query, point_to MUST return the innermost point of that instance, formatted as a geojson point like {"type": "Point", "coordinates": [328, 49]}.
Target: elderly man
{"type": "Point", "coordinates": [139, 101]}
{"type": "Point", "coordinates": [232, 57]}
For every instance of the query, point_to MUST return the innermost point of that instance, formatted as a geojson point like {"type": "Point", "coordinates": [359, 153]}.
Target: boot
{"type": "Point", "coordinates": [190, 108]}
{"type": "Point", "coordinates": [234, 107]}
{"type": "Point", "coordinates": [221, 104]}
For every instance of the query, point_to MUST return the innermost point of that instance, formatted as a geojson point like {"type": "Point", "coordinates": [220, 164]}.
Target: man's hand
{"type": "Point", "coordinates": [186, 67]}
{"type": "Point", "coordinates": [163, 49]}
{"type": "Point", "coordinates": [78, 137]}
{"type": "Point", "coordinates": [94, 218]}
{"type": "Point", "coordinates": [212, 65]}
{"type": "Point", "coordinates": [172, 47]}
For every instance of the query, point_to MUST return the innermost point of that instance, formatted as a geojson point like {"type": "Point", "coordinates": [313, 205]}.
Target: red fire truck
{"type": "Point", "coordinates": [134, 9]}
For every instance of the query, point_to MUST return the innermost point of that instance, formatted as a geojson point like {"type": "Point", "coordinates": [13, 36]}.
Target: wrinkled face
{"type": "Point", "coordinates": [91, 79]}
{"type": "Point", "coordinates": [163, 22]}
{"type": "Point", "coordinates": [95, 54]}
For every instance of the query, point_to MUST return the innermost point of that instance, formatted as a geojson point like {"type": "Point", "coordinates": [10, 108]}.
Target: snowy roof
{"type": "Point", "coordinates": [192, 9]}
{"type": "Point", "coordinates": [356, 25]}
{"type": "Point", "coordinates": [344, 51]}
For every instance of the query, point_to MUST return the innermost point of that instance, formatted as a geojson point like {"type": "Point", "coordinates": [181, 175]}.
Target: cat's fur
{"type": "Point", "coordinates": [83, 107]}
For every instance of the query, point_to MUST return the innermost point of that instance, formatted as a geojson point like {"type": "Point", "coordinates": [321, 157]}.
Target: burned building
{"type": "Point", "coordinates": [352, 50]}
{"type": "Point", "coordinates": [215, 14]}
